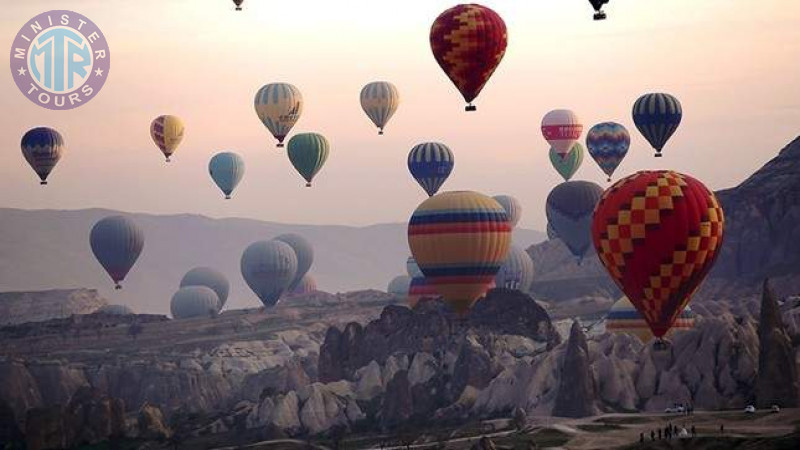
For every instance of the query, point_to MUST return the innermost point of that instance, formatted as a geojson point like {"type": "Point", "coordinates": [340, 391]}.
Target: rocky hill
{"type": "Point", "coordinates": [37, 306]}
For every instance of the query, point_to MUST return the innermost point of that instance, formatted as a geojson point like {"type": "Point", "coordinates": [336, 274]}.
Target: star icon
{"type": "Point", "coordinates": [21, 71]}
{"type": "Point", "coordinates": [98, 72]}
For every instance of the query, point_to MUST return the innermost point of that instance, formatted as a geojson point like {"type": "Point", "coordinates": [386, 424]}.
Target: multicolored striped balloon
{"type": "Point", "coordinates": [567, 165]}
{"type": "Point", "coordinates": [512, 206]}
{"type": "Point", "coordinates": [167, 133]}
{"type": "Point", "coordinates": [561, 128]}
{"type": "Point", "coordinates": [308, 153]}
{"type": "Point", "coordinates": [430, 163]}
{"type": "Point", "coordinates": [657, 116]}
{"type": "Point", "coordinates": [279, 106]}
{"type": "Point", "coordinates": [459, 240]}
{"type": "Point", "coordinates": [380, 100]}
{"type": "Point", "coordinates": [608, 143]}
{"type": "Point", "coordinates": [468, 42]}
{"type": "Point", "coordinates": [420, 288]}
{"type": "Point", "coordinates": [42, 147]}
{"type": "Point", "coordinates": [624, 318]}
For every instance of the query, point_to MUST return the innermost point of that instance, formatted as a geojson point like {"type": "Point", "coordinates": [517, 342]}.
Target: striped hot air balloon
{"type": "Point", "coordinates": [561, 128]}
{"type": "Point", "coordinates": [459, 240]}
{"type": "Point", "coordinates": [567, 165]}
{"type": "Point", "coordinates": [278, 106]}
{"type": "Point", "coordinates": [608, 143]}
{"type": "Point", "coordinates": [468, 42]}
{"type": "Point", "coordinates": [227, 170]}
{"type": "Point", "coordinates": [516, 271]}
{"type": "Point", "coordinates": [420, 288]}
{"type": "Point", "coordinates": [512, 206]}
{"type": "Point", "coordinates": [658, 234]}
{"type": "Point", "coordinates": [167, 132]}
{"type": "Point", "coordinates": [42, 147]}
{"type": "Point", "coordinates": [624, 318]}
{"type": "Point", "coordinates": [657, 116]}
{"type": "Point", "coordinates": [116, 242]}
{"type": "Point", "coordinates": [430, 163]}
{"type": "Point", "coordinates": [308, 153]}
{"type": "Point", "coordinates": [269, 267]}
{"type": "Point", "coordinates": [210, 278]}
{"type": "Point", "coordinates": [380, 100]}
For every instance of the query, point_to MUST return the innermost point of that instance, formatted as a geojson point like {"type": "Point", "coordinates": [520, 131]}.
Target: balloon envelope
{"type": "Point", "coordinates": [380, 100]}
{"type": "Point", "coordinates": [116, 242]}
{"type": "Point", "coordinates": [42, 147]}
{"type": "Point", "coordinates": [608, 143]}
{"type": "Point", "coordinates": [227, 170]}
{"type": "Point", "coordinates": [210, 278]}
{"type": "Point", "coordinates": [561, 128]}
{"type": "Point", "coordinates": [278, 106]}
{"type": "Point", "coordinates": [658, 234]}
{"type": "Point", "coordinates": [399, 285]}
{"type": "Point", "coordinates": [624, 318]}
{"type": "Point", "coordinates": [269, 267]}
{"type": "Point", "coordinates": [308, 153]}
{"type": "Point", "coordinates": [306, 285]}
{"type": "Point", "coordinates": [657, 116]}
{"type": "Point", "coordinates": [569, 210]}
{"type": "Point", "coordinates": [468, 42]}
{"type": "Point", "coordinates": [430, 163]}
{"type": "Point", "coordinates": [167, 133]}
{"type": "Point", "coordinates": [412, 268]}
{"type": "Point", "coordinates": [194, 301]}
{"type": "Point", "coordinates": [567, 165]}
{"type": "Point", "coordinates": [516, 271]}
{"type": "Point", "coordinates": [420, 288]}
{"type": "Point", "coordinates": [512, 207]}
{"type": "Point", "coordinates": [459, 240]}
{"type": "Point", "coordinates": [304, 253]}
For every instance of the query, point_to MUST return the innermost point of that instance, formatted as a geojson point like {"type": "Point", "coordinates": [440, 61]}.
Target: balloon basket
{"type": "Point", "coordinates": [470, 107]}
{"type": "Point", "coordinates": [280, 145]}
{"type": "Point", "coordinates": [608, 179]}
{"type": "Point", "coordinates": [380, 133]}
{"type": "Point", "coordinates": [227, 197]}
{"type": "Point", "coordinates": [658, 155]}
{"type": "Point", "coordinates": [168, 160]}
{"type": "Point", "coordinates": [117, 287]}
{"type": "Point", "coordinates": [43, 183]}
{"type": "Point", "coordinates": [308, 184]}
{"type": "Point", "coordinates": [660, 345]}
{"type": "Point", "coordinates": [238, 8]}
{"type": "Point", "coordinates": [600, 15]}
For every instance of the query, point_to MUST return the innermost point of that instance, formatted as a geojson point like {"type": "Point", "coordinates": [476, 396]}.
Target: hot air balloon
{"type": "Point", "coordinates": [657, 116]}
{"type": "Point", "coordinates": [551, 233]}
{"type": "Point", "coordinates": [420, 288]}
{"type": "Point", "coordinates": [238, 4]}
{"type": "Point", "coordinates": [567, 165]}
{"type": "Point", "coordinates": [459, 240]}
{"type": "Point", "coordinates": [608, 143]}
{"type": "Point", "coordinates": [194, 301]}
{"type": "Point", "coordinates": [210, 278]}
{"type": "Point", "coordinates": [304, 253]}
{"type": "Point", "coordinates": [468, 42]}
{"type": "Point", "coordinates": [278, 106]}
{"type": "Point", "coordinates": [561, 128]}
{"type": "Point", "coordinates": [399, 286]}
{"type": "Point", "coordinates": [412, 268]}
{"type": "Point", "coordinates": [379, 100]}
{"type": "Point", "coordinates": [116, 243]}
{"type": "Point", "coordinates": [227, 170]}
{"type": "Point", "coordinates": [512, 207]}
{"type": "Point", "coordinates": [308, 152]}
{"type": "Point", "coordinates": [42, 148]}
{"type": "Point", "coordinates": [624, 318]}
{"type": "Point", "coordinates": [569, 210]}
{"type": "Point", "coordinates": [516, 271]}
{"type": "Point", "coordinates": [430, 163]}
{"type": "Point", "coordinates": [269, 267]}
{"type": "Point", "coordinates": [167, 133]}
{"type": "Point", "coordinates": [658, 234]}
{"type": "Point", "coordinates": [115, 310]}
{"type": "Point", "coordinates": [598, 9]}
{"type": "Point", "coordinates": [306, 286]}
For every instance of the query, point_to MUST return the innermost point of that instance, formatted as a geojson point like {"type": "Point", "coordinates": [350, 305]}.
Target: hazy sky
{"type": "Point", "coordinates": [733, 63]}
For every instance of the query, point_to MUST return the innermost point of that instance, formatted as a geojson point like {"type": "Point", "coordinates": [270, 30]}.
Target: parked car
{"type": "Point", "coordinates": [775, 409]}
{"type": "Point", "coordinates": [750, 409]}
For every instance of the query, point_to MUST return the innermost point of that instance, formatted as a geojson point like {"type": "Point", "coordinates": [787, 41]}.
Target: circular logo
{"type": "Point", "coordinates": [60, 59]}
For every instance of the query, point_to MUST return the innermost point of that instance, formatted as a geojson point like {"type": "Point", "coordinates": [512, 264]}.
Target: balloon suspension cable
{"type": "Point", "coordinates": [470, 107]}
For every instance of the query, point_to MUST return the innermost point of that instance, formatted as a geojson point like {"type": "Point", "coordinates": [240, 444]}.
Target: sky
{"type": "Point", "coordinates": [732, 63]}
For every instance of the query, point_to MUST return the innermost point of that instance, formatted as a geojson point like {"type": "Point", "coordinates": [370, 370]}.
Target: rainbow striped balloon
{"type": "Point", "coordinates": [624, 318]}
{"type": "Point", "coordinates": [419, 289]}
{"type": "Point", "coordinates": [460, 240]}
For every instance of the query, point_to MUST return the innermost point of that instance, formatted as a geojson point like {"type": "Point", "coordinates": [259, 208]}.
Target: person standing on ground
{"type": "Point", "coordinates": [694, 431]}
{"type": "Point", "coordinates": [641, 437]}
{"type": "Point", "coordinates": [652, 435]}
{"type": "Point", "coordinates": [722, 428]}
{"type": "Point", "coordinates": [659, 434]}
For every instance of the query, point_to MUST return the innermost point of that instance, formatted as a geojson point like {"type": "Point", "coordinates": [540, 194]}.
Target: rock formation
{"type": "Point", "coordinates": [150, 423]}
{"type": "Point", "coordinates": [38, 306]}
{"type": "Point", "coordinates": [777, 382]}
{"type": "Point", "coordinates": [576, 390]}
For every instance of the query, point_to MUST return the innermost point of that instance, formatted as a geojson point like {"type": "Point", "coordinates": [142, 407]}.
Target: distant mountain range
{"type": "Point", "coordinates": [46, 249]}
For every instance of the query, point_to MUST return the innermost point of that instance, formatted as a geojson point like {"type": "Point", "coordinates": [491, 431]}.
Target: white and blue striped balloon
{"type": "Point", "coordinates": [430, 163]}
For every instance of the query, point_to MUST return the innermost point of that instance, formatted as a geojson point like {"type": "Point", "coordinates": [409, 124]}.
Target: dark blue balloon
{"type": "Point", "coordinates": [657, 116]}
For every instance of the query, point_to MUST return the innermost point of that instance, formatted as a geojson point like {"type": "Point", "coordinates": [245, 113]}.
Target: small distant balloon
{"type": "Point", "coordinates": [399, 286]}
{"type": "Point", "coordinates": [269, 267]}
{"type": "Point", "coordinates": [430, 163]}
{"type": "Point", "coordinates": [561, 128]}
{"type": "Point", "coordinates": [42, 147]}
{"type": "Point", "coordinates": [304, 253]}
{"type": "Point", "coordinates": [608, 143]}
{"type": "Point", "coordinates": [308, 153]}
{"type": "Point", "coordinates": [279, 106]}
{"type": "Point", "coordinates": [512, 206]}
{"type": "Point", "coordinates": [567, 165]}
{"type": "Point", "coordinates": [569, 210]}
{"type": "Point", "coordinates": [210, 278]}
{"type": "Point", "coordinates": [306, 286]}
{"type": "Point", "coordinates": [116, 242]}
{"type": "Point", "coordinates": [194, 301]}
{"type": "Point", "coordinates": [167, 132]}
{"type": "Point", "coordinates": [516, 271]}
{"type": "Point", "coordinates": [238, 4]}
{"type": "Point", "coordinates": [227, 170]}
{"type": "Point", "coordinates": [380, 100]}
{"type": "Point", "coordinates": [657, 117]}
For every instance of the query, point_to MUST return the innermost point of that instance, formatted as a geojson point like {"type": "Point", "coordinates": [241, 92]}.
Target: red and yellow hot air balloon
{"type": "Point", "coordinates": [468, 42]}
{"type": "Point", "coordinates": [459, 240]}
{"type": "Point", "coordinates": [658, 234]}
